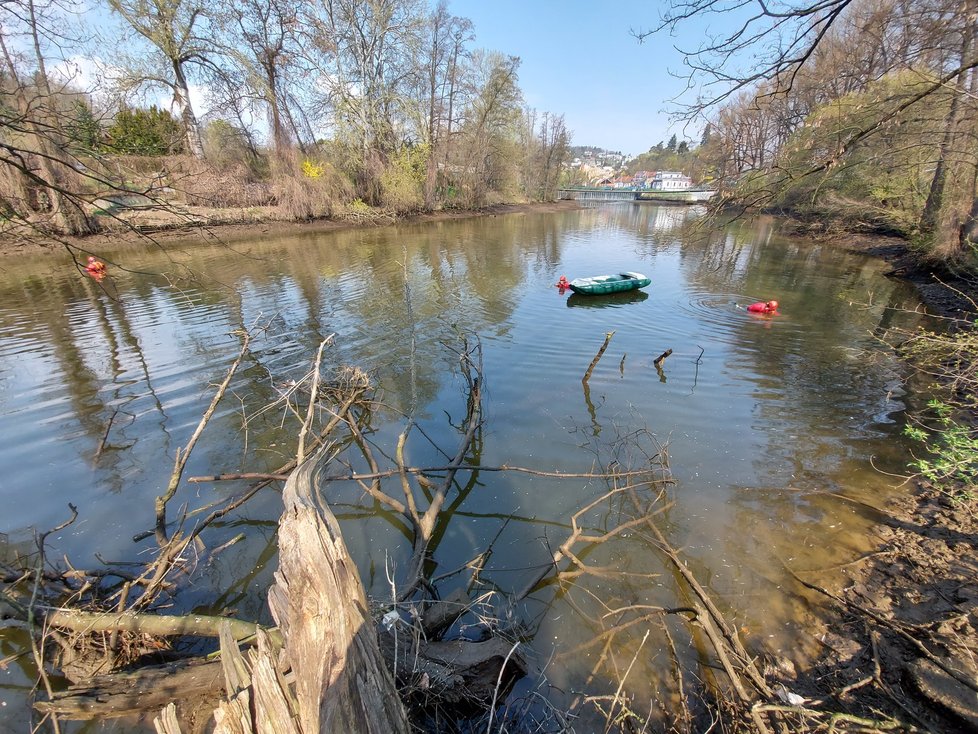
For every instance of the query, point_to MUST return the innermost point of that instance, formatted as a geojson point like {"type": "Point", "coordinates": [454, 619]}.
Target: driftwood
{"type": "Point", "coordinates": [337, 678]}
{"type": "Point", "coordinates": [597, 357]}
{"type": "Point", "coordinates": [137, 692]}
{"type": "Point", "coordinates": [182, 455]}
{"type": "Point", "coordinates": [200, 625]}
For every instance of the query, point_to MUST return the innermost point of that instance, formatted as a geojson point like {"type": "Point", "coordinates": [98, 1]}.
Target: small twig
{"type": "Point", "coordinates": [314, 396]}
{"type": "Point", "coordinates": [105, 436]}
{"type": "Point", "coordinates": [466, 467]}
{"type": "Point", "coordinates": [499, 682]}
{"type": "Point", "coordinates": [621, 683]}
{"type": "Point", "coordinates": [659, 360]}
{"type": "Point", "coordinates": [235, 477]}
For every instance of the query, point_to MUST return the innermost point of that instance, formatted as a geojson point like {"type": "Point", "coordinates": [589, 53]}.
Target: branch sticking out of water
{"type": "Point", "coordinates": [661, 358]}
{"type": "Point", "coordinates": [184, 454]}
{"type": "Point", "coordinates": [597, 357]}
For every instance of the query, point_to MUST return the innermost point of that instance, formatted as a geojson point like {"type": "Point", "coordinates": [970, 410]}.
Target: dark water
{"type": "Point", "coordinates": [775, 427]}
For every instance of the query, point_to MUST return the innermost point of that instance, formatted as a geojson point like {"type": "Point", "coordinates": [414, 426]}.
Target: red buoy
{"type": "Point", "coordinates": [95, 268]}
{"type": "Point", "coordinates": [763, 307]}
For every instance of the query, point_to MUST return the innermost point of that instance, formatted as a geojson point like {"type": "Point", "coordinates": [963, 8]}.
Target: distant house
{"type": "Point", "coordinates": [670, 181]}
{"type": "Point", "coordinates": [615, 182]}
{"type": "Point", "coordinates": [643, 179]}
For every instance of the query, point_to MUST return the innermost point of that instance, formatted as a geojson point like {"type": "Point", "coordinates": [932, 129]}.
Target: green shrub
{"type": "Point", "coordinates": [402, 183]}
{"type": "Point", "coordinates": [946, 429]}
{"type": "Point", "coordinates": [152, 132]}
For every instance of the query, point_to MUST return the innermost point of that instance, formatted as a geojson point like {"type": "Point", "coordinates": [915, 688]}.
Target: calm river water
{"type": "Point", "coordinates": [773, 425]}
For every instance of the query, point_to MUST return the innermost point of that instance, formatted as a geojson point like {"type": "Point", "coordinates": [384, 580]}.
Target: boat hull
{"type": "Point", "coordinates": [600, 285]}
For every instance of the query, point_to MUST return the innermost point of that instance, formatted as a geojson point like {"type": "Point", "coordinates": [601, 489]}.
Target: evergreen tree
{"type": "Point", "coordinates": [149, 132]}
{"type": "Point", "coordinates": [707, 132]}
{"type": "Point", "coordinates": [83, 131]}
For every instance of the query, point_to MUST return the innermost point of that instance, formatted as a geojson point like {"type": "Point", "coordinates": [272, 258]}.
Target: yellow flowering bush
{"type": "Point", "coordinates": [311, 170]}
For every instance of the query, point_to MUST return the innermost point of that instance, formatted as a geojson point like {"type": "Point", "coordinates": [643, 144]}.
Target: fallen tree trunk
{"type": "Point", "coordinates": [143, 690]}
{"type": "Point", "coordinates": [337, 678]}
{"type": "Point", "coordinates": [197, 625]}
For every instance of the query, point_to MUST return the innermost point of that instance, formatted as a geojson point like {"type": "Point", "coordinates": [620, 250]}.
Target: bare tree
{"type": "Point", "coordinates": [262, 39]}
{"type": "Point", "coordinates": [41, 179]}
{"type": "Point", "coordinates": [442, 45]}
{"type": "Point", "coordinates": [366, 67]}
{"type": "Point", "coordinates": [176, 31]}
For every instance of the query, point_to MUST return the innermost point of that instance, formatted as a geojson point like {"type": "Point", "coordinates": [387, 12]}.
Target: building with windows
{"type": "Point", "coordinates": [670, 181]}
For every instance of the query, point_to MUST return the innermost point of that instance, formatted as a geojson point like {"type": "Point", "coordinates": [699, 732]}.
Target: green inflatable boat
{"type": "Point", "coordinates": [602, 284]}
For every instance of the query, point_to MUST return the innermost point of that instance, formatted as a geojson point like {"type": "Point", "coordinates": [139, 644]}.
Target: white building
{"type": "Point", "coordinates": [670, 181]}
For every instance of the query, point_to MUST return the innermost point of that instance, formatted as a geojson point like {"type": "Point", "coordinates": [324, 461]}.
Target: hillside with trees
{"type": "Point", "coordinates": [312, 109]}
{"type": "Point", "coordinates": [852, 113]}
{"type": "Point", "coordinates": [676, 155]}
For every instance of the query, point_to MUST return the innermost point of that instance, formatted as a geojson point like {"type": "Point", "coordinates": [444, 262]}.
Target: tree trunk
{"type": "Point", "coordinates": [181, 98]}
{"type": "Point", "coordinates": [930, 217]}
{"type": "Point", "coordinates": [341, 681]}
{"type": "Point", "coordinates": [968, 236]}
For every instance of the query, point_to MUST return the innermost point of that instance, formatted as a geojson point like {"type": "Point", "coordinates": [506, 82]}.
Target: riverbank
{"type": "Point", "coordinates": [906, 638]}
{"type": "Point", "coordinates": [160, 228]}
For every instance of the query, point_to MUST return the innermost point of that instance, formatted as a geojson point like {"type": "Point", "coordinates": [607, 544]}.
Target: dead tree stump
{"type": "Point", "coordinates": [341, 681]}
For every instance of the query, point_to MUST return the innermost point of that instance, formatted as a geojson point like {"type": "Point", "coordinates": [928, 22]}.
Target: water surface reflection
{"type": "Point", "coordinates": [769, 423]}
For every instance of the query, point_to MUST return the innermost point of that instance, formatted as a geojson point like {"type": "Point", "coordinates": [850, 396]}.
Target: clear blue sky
{"type": "Point", "coordinates": [579, 59]}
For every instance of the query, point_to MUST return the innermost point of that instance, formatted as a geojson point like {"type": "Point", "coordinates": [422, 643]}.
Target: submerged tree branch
{"type": "Point", "coordinates": [183, 455]}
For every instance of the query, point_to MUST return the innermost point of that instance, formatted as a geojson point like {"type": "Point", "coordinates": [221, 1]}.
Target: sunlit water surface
{"type": "Point", "coordinates": [774, 427]}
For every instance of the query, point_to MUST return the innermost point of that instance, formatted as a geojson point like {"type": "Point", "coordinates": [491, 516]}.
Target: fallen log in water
{"type": "Point", "coordinates": [339, 681]}
{"type": "Point", "coordinates": [322, 669]}
{"type": "Point", "coordinates": [192, 683]}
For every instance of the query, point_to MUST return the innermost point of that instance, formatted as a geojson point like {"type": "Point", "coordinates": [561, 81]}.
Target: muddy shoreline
{"type": "Point", "coordinates": [210, 226]}
{"type": "Point", "coordinates": [904, 641]}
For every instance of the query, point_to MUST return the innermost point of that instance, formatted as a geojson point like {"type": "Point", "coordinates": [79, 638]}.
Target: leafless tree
{"type": "Point", "coordinates": [177, 32]}
{"type": "Point", "coordinates": [41, 178]}
{"type": "Point", "coordinates": [364, 58]}
{"type": "Point", "coordinates": [262, 40]}
{"type": "Point", "coordinates": [442, 46]}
